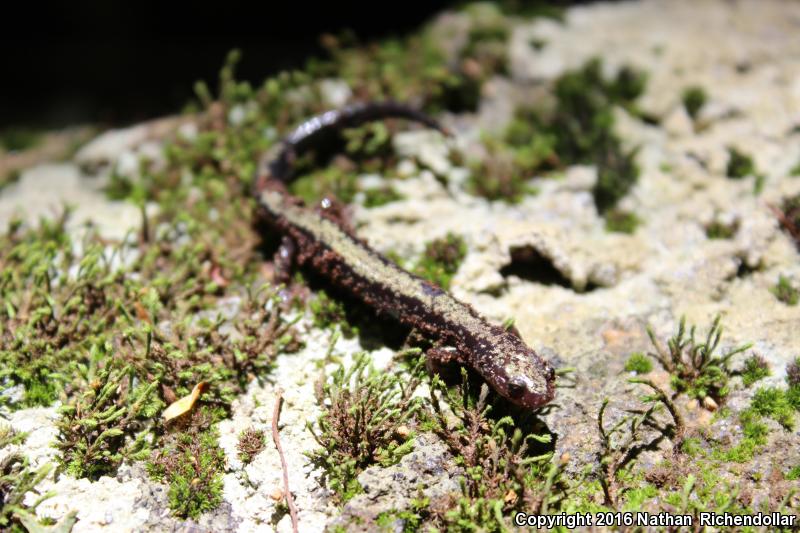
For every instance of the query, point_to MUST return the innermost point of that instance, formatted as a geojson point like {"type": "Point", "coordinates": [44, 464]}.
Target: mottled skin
{"type": "Point", "coordinates": [511, 367]}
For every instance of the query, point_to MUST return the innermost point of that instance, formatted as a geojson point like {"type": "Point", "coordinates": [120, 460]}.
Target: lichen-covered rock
{"type": "Point", "coordinates": [427, 472]}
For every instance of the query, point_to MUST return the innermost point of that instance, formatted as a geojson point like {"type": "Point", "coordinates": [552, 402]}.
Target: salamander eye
{"type": "Point", "coordinates": [516, 388]}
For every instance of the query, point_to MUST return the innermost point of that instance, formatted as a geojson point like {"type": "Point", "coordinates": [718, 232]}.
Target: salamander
{"type": "Point", "coordinates": [317, 238]}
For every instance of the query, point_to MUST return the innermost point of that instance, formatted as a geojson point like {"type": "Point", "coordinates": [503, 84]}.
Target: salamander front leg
{"type": "Point", "coordinates": [444, 361]}
{"type": "Point", "coordinates": [284, 260]}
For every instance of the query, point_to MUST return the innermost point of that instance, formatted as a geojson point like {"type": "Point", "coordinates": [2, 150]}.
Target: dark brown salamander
{"type": "Point", "coordinates": [511, 367]}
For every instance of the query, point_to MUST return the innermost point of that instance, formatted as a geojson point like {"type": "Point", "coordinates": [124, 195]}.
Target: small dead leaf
{"type": "Point", "coordinates": [511, 497]}
{"type": "Point", "coordinates": [276, 494]}
{"type": "Point", "coordinates": [141, 312]}
{"type": "Point", "coordinates": [185, 404]}
{"type": "Point", "coordinates": [403, 431]}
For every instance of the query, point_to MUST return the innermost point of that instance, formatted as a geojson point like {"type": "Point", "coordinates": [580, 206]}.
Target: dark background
{"type": "Point", "coordinates": [109, 62]}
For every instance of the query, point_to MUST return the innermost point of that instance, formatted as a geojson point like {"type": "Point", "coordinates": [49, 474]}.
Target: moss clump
{"type": "Point", "coordinates": [328, 313]}
{"type": "Point", "coordinates": [191, 462]}
{"type": "Point", "coordinates": [18, 139]}
{"type": "Point", "coordinates": [618, 221]}
{"type": "Point", "coordinates": [379, 196]}
{"type": "Point", "coordinates": [774, 403]}
{"type": "Point", "coordinates": [754, 436]}
{"type": "Point", "coordinates": [250, 444]}
{"type": "Point", "coordinates": [695, 366]}
{"type": "Point", "coordinates": [694, 98]}
{"type": "Point", "coordinates": [18, 481]}
{"type": "Point", "coordinates": [504, 472]}
{"type": "Point", "coordinates": [740, 165]}
{"type": "Point", "coordinates": [755, 368]}
{"type": "Point", "coordinates": [795, 170]}
{"type": "Point", "coordinates": [785, 291]}
{"type": "Point", "coordinates": [720, 230]}
{"type": "Point", "coordinates": [441, 259]}
{"type": "Point", "coordinates": [577, 128]}
{"type": "Point", "coordinates": [97, 432]}
{"type": "Point", "coordinates": [584, 124]}
{"type": "Point", "coordinates": [504, 174]}
{"type": "Point", "coordinates": [639, 363]}
{"type": "Point", "coordinates": [361, 424]}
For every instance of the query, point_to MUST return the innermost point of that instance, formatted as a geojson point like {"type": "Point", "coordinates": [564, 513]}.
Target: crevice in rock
{"type": "Point", "coordinates": [530, 265]}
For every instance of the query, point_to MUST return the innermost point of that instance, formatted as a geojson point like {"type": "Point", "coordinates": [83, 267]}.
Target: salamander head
{"type": "Point", "coordinates": [531, 389]}
{"type": "Point", "coordinates": [518, 373]}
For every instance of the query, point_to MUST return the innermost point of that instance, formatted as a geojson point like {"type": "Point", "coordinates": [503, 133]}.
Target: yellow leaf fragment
{"type": "Point", "coordinates": [185, 404]}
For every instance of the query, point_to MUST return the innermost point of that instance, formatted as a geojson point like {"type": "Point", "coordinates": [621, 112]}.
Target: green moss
{"type": "Point", "coordinates": [795, 170]}
{"type": "Point", "coordinates": [691, 446]}
{"type": "Point", "coordinates": [503, 471]}
{"type": "Point", "coordinates": [694, 98]}
{"type": "Point", "coordinates": [381, 196]}
{"type": "Point", "coordinates": [740, 164]}
{"type": "Point", "coordinates": [576, 129]}
{"type": "Point", "coordinates": [442, 259]}
{"type": "Point", "coordinates": [719, 230]}
{"type": "Point", "coordinates": [774, 403]}
{"type": "Point", "coordinates": [584, 122]}
{"type": "Point", "coordinates": [98, 432]}
{"type": "Point", "coordinates": [755, 435]}
{"type": "Point", "coordinates": [498, 177]}
{"type": "Point", "coordinates": [361, 424]}
{"type": "Point", "coordinates": [18, 482]}
{"type": "Point", "coordinates": [639, 363]}
{"type": "Point", "coordinates": [793, 473]}
{"type": "Point", "coordinates": [251, 443]}
{"type": "Point", "coordinates": [328, 313]}
{"type": "Point", "coordinates": [18, 139]}
{"type": "Point", "coordinates": [695, 366]}
{"type": "Point", "coordinates": [191, 462]}
{"type": "Point", "coordinates": [755, 368]}
{"type": "Point", "coordinates": [409, 520]}
{"type": "Point", "coordinates": [618, 221]}
{"type": "Point", "coordinates": [785, 292]}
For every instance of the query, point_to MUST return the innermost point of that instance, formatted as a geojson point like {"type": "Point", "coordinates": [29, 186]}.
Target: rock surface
{"type": "Point", "coordinates": [744, 54]}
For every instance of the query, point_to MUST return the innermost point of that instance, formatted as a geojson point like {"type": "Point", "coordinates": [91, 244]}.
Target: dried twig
{"type": "Point", "coordinates": [276, 413]}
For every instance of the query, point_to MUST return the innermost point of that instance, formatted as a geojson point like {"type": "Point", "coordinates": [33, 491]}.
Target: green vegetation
{"type": "Point", "coordinates": [618, 221]}
{"type": "Point", "coordinates": [639, 363]}
{"type": "Point", "coordinates": [379, 196]}
{"type": "Point", "coordinates": [694, 98]}
{"type": "Point", "coordinates": [93, 429]}
{"type": "Point", "coordinates": [18, 139]}
{"type": "Point", "coordinates": [740, 165]}
{"type": "Point", "coordinates": [785, 291]}
{"type": "Point", "coordinates": [720, 230]}
{"type": "Point", "coordinates": [755, 368]}
{"type": "Point", "coordinates": [117, 331]}
{"type": "Point", "coordinates": [191, 462]}
{"type": "Point", "coordinates": [578, 129]}
{"type": "Point", "coordinates": [18, 479]}
{"type": "Point", "coordinates": [441, 259]}
{"type": "Point", "coordinates": [695, 366]}
{"type": "Point", "coordinates": [327, 313]}
{"type": "Point", "coordinates": [504, 473]}
{"type": "Point", "coordinates": [774, 403]}
{"type": "Point", "coordinates": [251, 443]}
{"type": "Point", "coordinates": [363, 423]}
{"type": "Point", "coordinates": [795, 170]}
